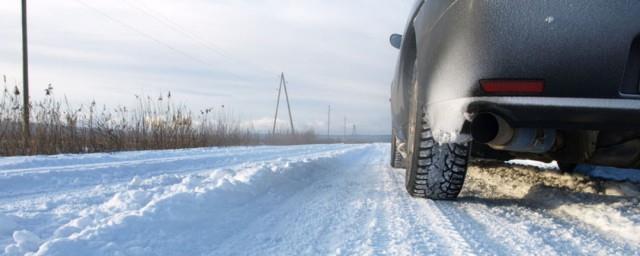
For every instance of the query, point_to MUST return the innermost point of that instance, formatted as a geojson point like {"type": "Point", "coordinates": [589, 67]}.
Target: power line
{"type": "Point", "coordinates": [140, 32]}
{"type": "Point", "coordinates": [179, 29]}
{"type": "Point", "coordinates": [149, 36]}
{"type": "Point", "coordinates": [170, 24]}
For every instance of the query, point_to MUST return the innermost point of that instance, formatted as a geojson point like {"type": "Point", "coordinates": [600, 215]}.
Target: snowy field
{"type": "Point", "coordinates": [301, 200]}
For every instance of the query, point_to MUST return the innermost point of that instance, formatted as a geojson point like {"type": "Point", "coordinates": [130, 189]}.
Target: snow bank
{"type": "Point", "coordinates": [24, 242]}
{"type": "Point", "coordinates": [189, 207]}
{"type": "Point", "coordinates": [24, 176]}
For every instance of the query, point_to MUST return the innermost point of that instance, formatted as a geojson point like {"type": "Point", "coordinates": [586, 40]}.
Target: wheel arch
{"type": "Point", "coordinates": [408, 55]}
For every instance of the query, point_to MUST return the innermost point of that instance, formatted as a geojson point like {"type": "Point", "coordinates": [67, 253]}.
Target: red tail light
{"type": "Point", "coordinates": [512, 86]}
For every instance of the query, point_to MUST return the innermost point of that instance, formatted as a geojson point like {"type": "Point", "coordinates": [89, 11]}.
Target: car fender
{"type": "Point", "coordinates": [424, 15]}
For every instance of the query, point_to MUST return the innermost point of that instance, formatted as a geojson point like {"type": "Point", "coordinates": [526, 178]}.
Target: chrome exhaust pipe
{"type": "Point", "coordinates": [496, 132]}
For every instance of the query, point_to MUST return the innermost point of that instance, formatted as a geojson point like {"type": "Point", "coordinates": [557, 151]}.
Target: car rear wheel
{"type": "Point", "coordinates": [396, 156]}
{"type": "Point", "coordinates": [434, 171]}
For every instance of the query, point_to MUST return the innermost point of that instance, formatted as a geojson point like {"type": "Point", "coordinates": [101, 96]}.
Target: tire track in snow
{"type": "Point", "coordinates": [421, 241]}
{"type": "Point", "coordinates": [471, 231]}
{"type": "Point", "coordinates": [319, 207]}
{"type": "Point", "coordinates": [404, 228]}
{"type": "Point", "coordinates": [379, 188]}
{"type": "Point", "coordinates": [513, 235]}
{"type": "Point", "coordinates": [446, 229]}
{"type": "Point", "coordinates": [367, 204]}
{"type": "Point", "coordinates": [427, 221]}
{"type": "Point", "coordinates": [345, 208]}
{"type": "Point", "coordinates": [388, 237]}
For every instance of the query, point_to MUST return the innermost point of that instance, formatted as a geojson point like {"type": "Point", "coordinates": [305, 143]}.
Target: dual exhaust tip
{"type": "Point", "coordinates": [496, 132]}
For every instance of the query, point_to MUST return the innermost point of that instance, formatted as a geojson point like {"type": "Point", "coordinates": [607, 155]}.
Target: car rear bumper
{"type": "Point", "coordinates": [534, 112]}
{"type": "Point", "coordinates": [562, 113]}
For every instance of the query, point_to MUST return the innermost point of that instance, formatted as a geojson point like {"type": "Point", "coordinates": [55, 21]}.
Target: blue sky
{"type": "Point", "coordinates": [216, 52]}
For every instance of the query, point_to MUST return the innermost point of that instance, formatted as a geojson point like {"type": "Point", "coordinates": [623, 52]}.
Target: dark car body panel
{"type": "Point", "coordinates": [586, 52]}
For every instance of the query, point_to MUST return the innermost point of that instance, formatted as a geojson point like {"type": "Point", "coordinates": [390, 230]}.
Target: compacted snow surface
{"type": "Point", "coordinates": [300, 200]}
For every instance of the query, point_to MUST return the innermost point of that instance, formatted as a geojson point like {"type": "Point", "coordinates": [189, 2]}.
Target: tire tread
{"type": "Point", "coordinates": [450, 164]}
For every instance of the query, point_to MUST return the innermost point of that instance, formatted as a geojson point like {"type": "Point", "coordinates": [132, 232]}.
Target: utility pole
{"type": "Point", "coordinates": [26, 131]}
{"type": "Point", "coordinates": [283, 83]}
{"type": "Point", "coordinates": [275, 119]}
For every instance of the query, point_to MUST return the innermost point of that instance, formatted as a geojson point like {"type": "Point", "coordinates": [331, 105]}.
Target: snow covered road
{"type": "Point", "coordinates": [300, 200]}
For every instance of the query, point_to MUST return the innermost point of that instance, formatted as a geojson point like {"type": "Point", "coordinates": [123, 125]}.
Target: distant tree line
{"type": "Point", "coordinates": [153, 123]}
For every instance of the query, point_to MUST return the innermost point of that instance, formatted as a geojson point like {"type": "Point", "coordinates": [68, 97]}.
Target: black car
{"type": "Point", "coordinates": [502, 79]}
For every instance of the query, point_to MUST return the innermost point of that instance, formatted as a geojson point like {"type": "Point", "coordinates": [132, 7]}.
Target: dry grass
{"type": "Point", "coordinates": [153, 123]}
